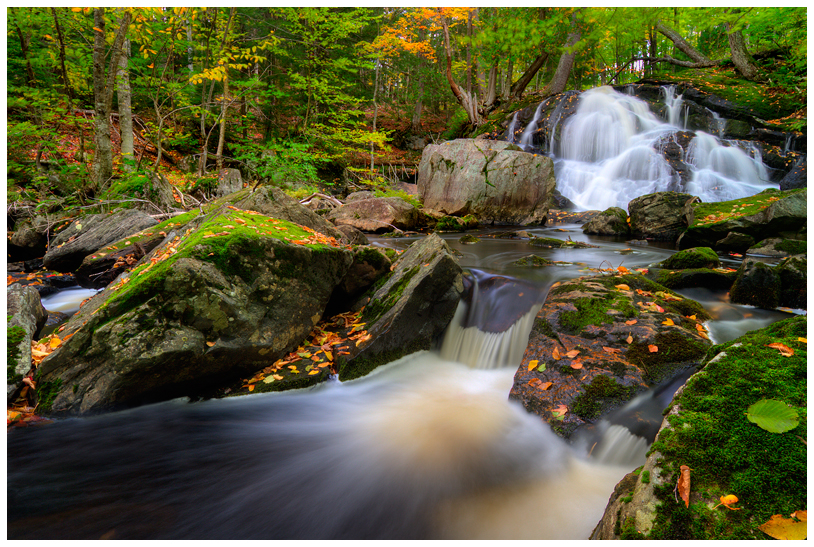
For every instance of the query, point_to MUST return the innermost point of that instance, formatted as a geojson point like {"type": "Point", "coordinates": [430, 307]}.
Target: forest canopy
{"type": "Point", "coordinates": [104, 95]}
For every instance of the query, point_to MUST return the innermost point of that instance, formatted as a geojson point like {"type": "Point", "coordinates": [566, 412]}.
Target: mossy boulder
{"type": "Point", "coordinates": [409, 309]}
{"type": "Point", "coordinates": [376, 214]}
{"type": "Point", "coordinates": [610, 222]}
{"type": "Point", "coordinates": [234, 292]}
{"type": "Point", "coordinates": [769, 214]}
{"type": "Point", "coordinates": [706, 429]}
{"type": "Point", "coordinates": [719, 278]}
{"type": "Point", "coordinates": [793, 276]}
{"type": "Point", "coordinates": [661, 215]}
{"type": "Point", "coordinates": [697, 257]}
{"type": "Point", "coordinates": [25, 318]}
{"type": "Point", "coordinates": [555, 243]}
{"type": "Point", "coordinates": [756, 284]}
{"type": "Point", "coordinates": [533, 260]}
{"type": "Point", "coordinates": [778, 247]}
{"type": "Point", "coordinates": [456, 224]}
{"type": "Point", "coordinates": [86, 235]}
{"type": "Point", "coordinates": [614, 336]}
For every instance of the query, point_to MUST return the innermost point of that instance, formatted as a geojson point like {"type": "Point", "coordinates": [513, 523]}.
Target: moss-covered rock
{"type": "Point", "coordinates": [756, 284]}
{"type": "Point", "coordinates": [599, 341]}
{"type": "Point", "coordinates": [701, 277]}
{"type": "Point", "coordinates": [697, 257]}
{"type": "Point", "coordinates": [24, 319]}
{"type": "Point", "coordinates": [707, 430]}
{"type": "Point", "coordinates": [554, 243]}
{"type": "Point", "coordinates": [533, 260]}
{"type": "Point", "coordinates": [469, 239]}
{"type": "Point", "coordinates": [777, 247]}
{"type": "Point", "coordinates": [793, 276]}
{"type": "Point", "coordinates": [612, 221]}
{"type": "Point", "coordinates": [232, 293]}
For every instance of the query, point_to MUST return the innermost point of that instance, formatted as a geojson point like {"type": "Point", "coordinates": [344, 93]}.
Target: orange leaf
{"type": "Point", "coordinates": [533, 364]}
{"type": "Point", "coordinates": [251, 387]}
{"type": "Point", "coordinates": [703, 335]}
{"type": "Point", "coordinates": [622, 287]}
{"type": "Point", "coordinates": [631, 322]}
{"type": "Point", "coordinates": [611, 350]}
{"type": "Point", "coordinates": [560, 410]}
{"type": "Point", "coordinates": [622, 269]}
{"type": "Point", "coordinates": [210, 344]}
{"type": "Point", "coordinates": [630, 339]}
{"type": "Point", "coordinates": [55, 342]}
{"type": "Point", "coordinates": [573, 353]}
{"type": "Point", "coordinates": [785, 351]}
{"type": "Point", "coordinates": [684, 485]}
{"type": "Point", "coordinates": [555, 354]}
{"type": "Point", "coordinates": [576, 364]}
{"type": "Point", "coordinates": [668, 322]}
{"type": "Point", "coordinates": [653, 348]}
{"type": "Point", "coordinates": [97, 29]}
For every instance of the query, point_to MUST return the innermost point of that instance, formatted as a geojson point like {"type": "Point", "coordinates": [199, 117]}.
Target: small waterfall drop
{"type": "Point", "coordinates": [675, 107]}
{"type": "Point", "coordinates": [512, 127]}
{"type": "Point", "coordinates": [723, 172]}
{"type": "Point", "coordinates": [527, 138]}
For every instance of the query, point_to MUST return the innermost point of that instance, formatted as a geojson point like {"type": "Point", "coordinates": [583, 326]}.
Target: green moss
{"type": "Point", "coordinates": [376, 308]}
{"type": "Point", "coordinates": [554, 243]}
{"type": "Point", "coordinates": [14, 335]}
{"type": "Point", "coordinates": [469, 239]}
{"type": "Point", "coordinates": [532, 260]}
{"type": "Point", "coordinates": [46, 393]}
{"type": "Point", "coordinates": [594, 311]}
{"type": "Point", "coordinates": [601, 395]}
{"type": "Point", "coordinates": [727, 453]}
{"type": "Point", "coordinates": [675, 349]}
{"type": "Point", "coordinates": [707, 214]}
{"type": "Point", "coordinates": [697, 257]}
{"type": "Point", "coordinates": [697, 277]}
{"type": "Point", "coordinates": [372, 256]}
{"type": "Point", "coordinates": [792, 246]}
{"type": "Point", "coordinates": [364, 365]}
{"type": "Point", "coordinates": [645, 477]}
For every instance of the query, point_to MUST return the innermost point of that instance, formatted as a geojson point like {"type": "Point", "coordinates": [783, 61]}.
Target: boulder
{"type": "Point", "coordinates": [697, 257]}
{"type": "Point", "coordinates": [363, 194]}
{"type": "Point", "coordinates": [756, 284]}
{"type": "Point", "coordinates": [694, 277]}
{"type": "Point", "coordinates": [797, 177]}
{"type": "Point", "coordinates": [793, 276]}
{"type": "Point", "coordinates": [369, 265]}
{"type": "Point", "coordinates": [769, 214]}
{"type": "Point", "coordinates": [29, 240]}
{"type": "Point", "coordinates": [234, 292]}
{"type": "Point", "coordinates": [598, 341]}
{"type": "Point", "coordinates": [707, 430]}
{"type": "Point", "coordinates": [778, 247]}
{"type": "Point", "coordinates": [27, 319]}
{"type": "Point", "coordinates": [376, 214]}
{"type": "Point", "coordinates": [273, 202]}
{"type": "Point", "coordinates": [352, 235]}
{"type": "Point", "coordinates": [661, 215]}
{"type": "Point", "coordinates": [229, 181]}
{"type": "Point", "coordinates": [493, 180]}
{"type": "Point", "coordinates": [735, 242]}
{"type": "Point", "coordinates": [86, 235]}
{"type": "Point", "coordinates": [410, 308]}
{"type": "Point", "coordinates": [610, 222]}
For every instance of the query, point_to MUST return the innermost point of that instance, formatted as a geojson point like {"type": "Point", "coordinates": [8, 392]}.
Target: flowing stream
{"type": "Point", "coordinates": [428, 446]}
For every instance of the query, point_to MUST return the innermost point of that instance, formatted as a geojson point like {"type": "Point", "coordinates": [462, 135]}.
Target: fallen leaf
{"type": "Point", "coordinates": [785, 351]}
{"type": "Point", "coordinates": [611, 350]}
{"type": "Point", "coordinates": [728, 501]}
{"type": "Point", "coordinates": [684, 485]}
{"type": "Point", "coordinates": [668, 322]}
{"type": "Point", "coordinates": [555, 354]}
{"type": "Point", "coordinates": [772, 415]}
{"type": "Point", "coordinates": [803, 340]}
{"type": "Point", "coordinates": [780, 527]}
{"type": "Point", "coordinates": [560, 410]}
{"type": "Point", "coordinates": [699, 327]}
{"type": "Point", "coordinates": [653, 348]}
{"type": "Point", "coordinates": [55, 342]}
{"type": "Point", "coordinates": [631, 322]}
{"type": "Point", "coordinates": [576, 364]}
{"type": "Point", "coordinates": [533, 364]}
{"type": "Point", "coordinates": [622, 287]}
{"type": "Point", "coordinates": [703, 335]}
{"type": "Point", "coordinates": [210, 344]}
{"type": "Point", "coordinates": [251, 387]}
{"type": "Point", "coordinates": [622, 269]}
{"type": "Point", "coordinates": [573, 353]}
{"type": "Point", "coordinates": [630, 339]}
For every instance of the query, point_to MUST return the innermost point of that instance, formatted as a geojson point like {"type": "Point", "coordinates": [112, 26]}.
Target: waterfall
{"type": "Point", "coordinates": [675, 106]}
{"type": "Point", "coordinates": [607, 155]}
{"type": "Point", "coordinates": [527, 138]}
{"type": "Point", "coordinates": [512, 126]}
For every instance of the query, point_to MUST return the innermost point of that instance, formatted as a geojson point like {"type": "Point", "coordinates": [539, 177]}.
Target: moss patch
{"type": "Point", "coordinates": [14, 335]}
{"type": "Point", "coordinates": [707, 214]}
{"type": "Point", "coordinates": [792, 246]}
{"type": "Point", "coordinates": [376, 308]}
{"type": "Point", "coordinates": [674, 348]}
{"type": "Point", "coordinates": [699, 277]}
{"type": "Point", "coordinates": [554, 243]}
{"type": "Point", "coordinates": [697, 257]}
{"type": "Point", "coordinates": [364, 365]}
{"type": "Point", "coordinates": [727, 453]}
{"type": "Point", "coordinates": [594, 311]}
{"type": "Point", "coordinates": [533, 260]}
{"type": "Point", "coordinates": [601, 395]}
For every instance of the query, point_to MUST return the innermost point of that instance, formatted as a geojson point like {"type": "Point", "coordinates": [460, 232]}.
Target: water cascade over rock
{"type": "Point", "coordinates": [613, 148]}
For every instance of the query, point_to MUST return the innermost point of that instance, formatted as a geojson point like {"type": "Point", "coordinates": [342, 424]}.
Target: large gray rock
{"type": "Point", "coordinates": [493, 180]}
{"type": "Point", "coordinates": [26, 311]}
{"type": "Point", "coordinates": [797, 177]}
{"type": "Point", "coordinates": [661, 215]}
{"type": "Point", "coordinates": [756, 284]}
{"type": "Point", "coordinates": [86, 235]}
{"type": "Point", "coordinates": [376, 215]}
{"type": "Point", "coordinates": [229, 181]}
{"type": "Point", "coordinates": [234, 295]}
{"type": "Point", "coordinates": [793, 274]}
{"type": "Point", "coordinates": [784, 217]}
{"type": "Point", "coordinates": [610, 222]}
{"type": "Point", "coordinates": [411, 309]}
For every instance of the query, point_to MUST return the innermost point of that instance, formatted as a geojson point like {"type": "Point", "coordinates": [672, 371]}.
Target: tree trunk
{"type": "Point", "coordinates": [375, 111]}
{"type": "Point", "coordinates": [520, 85]}
{"type": "Point", "coordinates": [469, 52]}
{"type": "Point", "coordinates": [683, 45]}
{"type": "Point", "coordinates": [560, 78]}
{"type": "Point", "coordinates": [740, 55]}
{"type": "Point", "coordinates": [224, 105]}
{"type": "Point", "coordinates": [103, 85]}
{"type": "Point", "coordinates": [24, 41]}
{"type": "Point", "coordinates": [491, 86]}
{"type": "Point", "coordinates": [125, 110]}
{"type": "Point", "coordinates": [507, 80]}
{"type": "Point", "coordinates": [468, 102]}
{"type": "Point", "coordinates": [415, 121]}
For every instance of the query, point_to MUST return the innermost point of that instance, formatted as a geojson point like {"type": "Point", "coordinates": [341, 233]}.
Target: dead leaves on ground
{"type": "Point", "coordinates": [784, 350]}
{"type": "Point", "coordinates": [780, 527]}
{"type": "Point", "coordinates": [683, 484]}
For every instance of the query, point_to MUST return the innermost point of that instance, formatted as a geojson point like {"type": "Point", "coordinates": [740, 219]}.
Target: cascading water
{"type": "Point", "coordinates": [526, 139]}
{"type": "Point", "coordinates": [607, 154]}
{"type": "Point", "coordinates": [512, 128]}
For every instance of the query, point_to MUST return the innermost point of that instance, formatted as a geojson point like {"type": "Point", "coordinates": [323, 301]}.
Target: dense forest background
{"type": "Point", "coordinates": [102, 100]}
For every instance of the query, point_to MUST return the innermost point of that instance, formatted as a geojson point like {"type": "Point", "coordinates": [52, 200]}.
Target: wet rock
{"type": "Point", "coordinates": [494, 180]}
{"type": "Point", "coordinates": [708, 437]}
{"type": "Point", "coordinates": [364, 194]}
{"type": "Point", "coordinates": [214, 305]}
{"type": "Point", "coordinates": [612, 221]}
{"type": "Point", "coordinates": [86, 235]}
{"type": "Point", "coordinates": [661, 215]}
{"type": "Point", "coordinates": [792, 272]}
{"type": "Point", "coordinates": [469, 239]}
{"type": "Point", "coordinates": [735, 242]}
{"type": "Point", "coordinates": [533, 260]}
{"type": "Point", "coordinates": [797, 177]}
{"type": "Point", "coordinates": [756, 284]}
{"type": "Point", "coordinates": [353, 235]}
{"type": "Point", "coordinates": [697, 257]}
{"type": "Point", "coordinates": [554, 243]}
{"type": "Point", "coordinates": [602, 329]}
{"type": "Point", "coordinates": [229, 181]}
{"type": "Point", "coordinates": [369, 265]}
{"type": "Point", "coordinates": [410, 309]}
{"type": "Point", "coordinates": [28, 317]}
{"type": "Point", "coordinates": [29, 241]}
{"type": "Point", "coordinates": [778, 247]}
{"type": "Point", "coordinates": [376, 214]}
{"type": "Point", "coordinates": [694, 277]}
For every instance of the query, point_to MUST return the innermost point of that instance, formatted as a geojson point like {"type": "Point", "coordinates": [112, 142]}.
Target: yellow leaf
{"type": "Point", "coordinates": [313, 372]}
{"type": "Point", "coordinates": [533, 364]}
{"type": "Point", "coordinates": [630, 339]}
{"type": "Point", "coordinates": [803, 340]}
{"type": "Point", "coordinates": [668, 322]}
{"type": "Point", "coordinates": [692, 317]}
{"type": "Point", "coordinates": [779, 527]}
{"type": "Point", "coordinates": [622, 286]}
{"type": "Point", "coordinates": [555, 354]}
{"type": "Point", "coordinates": [55, 342]}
